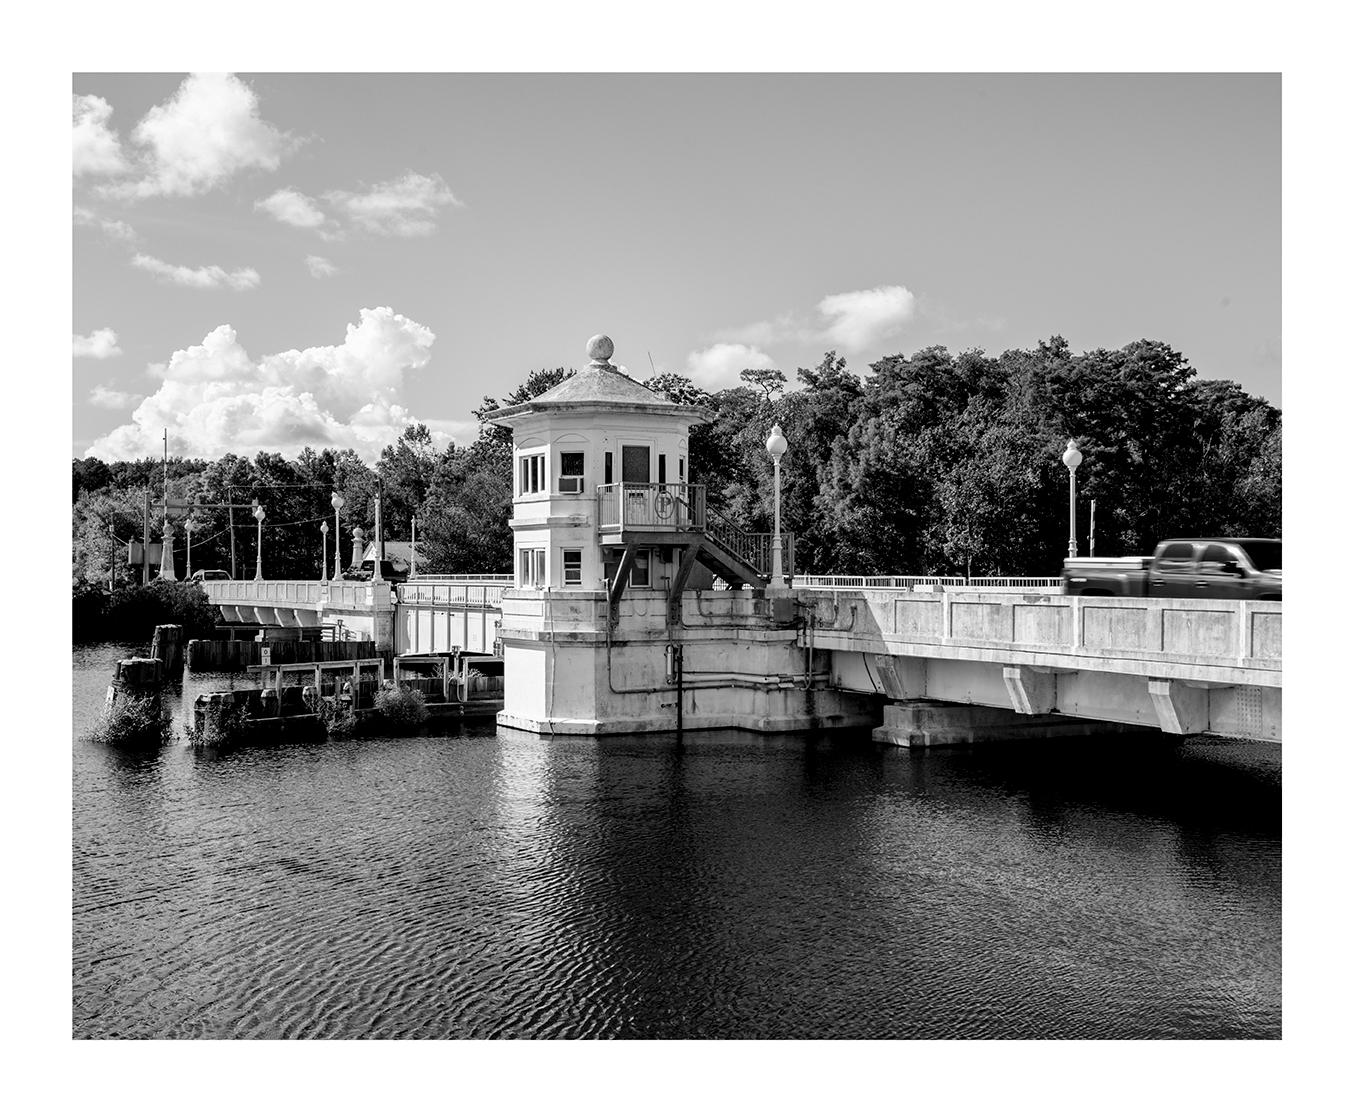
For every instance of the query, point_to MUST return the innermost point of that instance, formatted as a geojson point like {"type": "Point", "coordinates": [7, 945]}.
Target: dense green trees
{"type": "Point", "coordinates": [934, 463]}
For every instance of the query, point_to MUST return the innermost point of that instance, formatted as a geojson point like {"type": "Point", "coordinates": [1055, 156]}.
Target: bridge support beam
{"type": "Point", "coordinates": [1181, 708]}
{"type": "Point", "coordinates": [925, 724]}
{"type": "Point", "coordinates": [1031, 691]}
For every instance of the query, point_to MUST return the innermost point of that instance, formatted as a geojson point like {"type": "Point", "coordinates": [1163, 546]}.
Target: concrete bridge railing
{"type": "Point", "coordinates": [296, 592]}
{"type": "Point", "coordinates": [1200, 639]}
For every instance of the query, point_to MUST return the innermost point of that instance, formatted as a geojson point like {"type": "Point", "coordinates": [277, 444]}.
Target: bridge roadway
{"type": "Point", "coordinates": [1184, 666]}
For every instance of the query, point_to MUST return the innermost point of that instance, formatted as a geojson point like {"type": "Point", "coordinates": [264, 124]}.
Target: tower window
{"type": "Point", "coordinates": [573, 567]}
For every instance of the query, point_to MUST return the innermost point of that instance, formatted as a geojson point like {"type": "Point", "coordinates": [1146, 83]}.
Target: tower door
{"type": "Point", "coordinates": [635, 463]}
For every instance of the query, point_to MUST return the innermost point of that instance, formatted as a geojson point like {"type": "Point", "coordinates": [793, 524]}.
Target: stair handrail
{"type": "Point", "coordinates": [754, 549]}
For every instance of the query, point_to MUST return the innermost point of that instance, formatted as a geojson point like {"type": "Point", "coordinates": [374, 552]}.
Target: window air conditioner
{"type": "Point", "coordinates": [571, 484]}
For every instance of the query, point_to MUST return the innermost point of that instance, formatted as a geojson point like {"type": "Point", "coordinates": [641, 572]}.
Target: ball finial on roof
{"type": "Point", "coordinates": [600, 348]}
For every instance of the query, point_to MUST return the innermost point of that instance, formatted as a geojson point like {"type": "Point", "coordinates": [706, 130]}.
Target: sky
{"type": "Point", "coordinates": [264, 262]}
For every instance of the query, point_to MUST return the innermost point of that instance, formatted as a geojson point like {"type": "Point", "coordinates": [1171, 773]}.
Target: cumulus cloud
{"type": "Point", "coordinates": [102, 343]}
{"type": "Point", "coordinates": [718, 366]}
{"type": "Point", "coordinates": [404, 206]}
{"type": "Point", "coordinates": [862, 318]}
{"type": "Point", "coordinates": [206, 133]}
{"type": "Point", "coordinates": [198, 278]}
{"type": "Point", "coordinates": [320, 267]}
{"type": "Point", "coordinates": [215, 398]}
{"type": "Point", "coordinates": [113, 229]}
{"type": "Point", "coordinates": [97, 149]}
{"type": "Point", "coordinates": [107, 398]}
{"type": "Point", "coordinates": [293, 207]}
{"type": "Point", "coordinates": [854, 321]}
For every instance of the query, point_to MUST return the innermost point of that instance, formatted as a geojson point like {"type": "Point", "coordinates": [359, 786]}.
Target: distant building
{"type": "Point", "coordinates": [398, 555]}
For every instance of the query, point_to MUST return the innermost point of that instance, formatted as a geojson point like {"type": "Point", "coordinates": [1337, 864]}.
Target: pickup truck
{"type": "Point", "coordinates": [1207, 567]}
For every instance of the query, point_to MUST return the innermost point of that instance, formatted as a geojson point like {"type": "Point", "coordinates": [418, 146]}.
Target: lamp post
{"type": "Point", "coordinates": [1072, 458]}
{"type": "Point", "coordinates": [324, 552]}
{"type": "Point", "coordinates": [188, 527]}
{"type": "Point", "coordinates": [775, 446]}
{"type": "Point", "coordinates": [258, 563]}
{"type": "Point", "coordinates": [379, 554]}
{"type": "Point", "coordinates": [337, 502]}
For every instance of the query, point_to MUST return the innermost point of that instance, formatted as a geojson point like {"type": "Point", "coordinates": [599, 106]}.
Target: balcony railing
{"type": "Point", "coordinates": [659, 507]}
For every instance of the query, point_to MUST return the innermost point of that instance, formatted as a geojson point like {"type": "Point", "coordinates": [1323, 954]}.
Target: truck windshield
{"type": "Point", "coordinates": [1265, 555]}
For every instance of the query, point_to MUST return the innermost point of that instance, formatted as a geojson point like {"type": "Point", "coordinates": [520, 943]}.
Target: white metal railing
{"type": "Point", "coordinates": [658, 506]}
{"type": "Point", "coordinates": [438, 577]}
{"type": "Point", "coordinates": [877, 582]}
{"type": "Point", "coordinates": [471, 595]}
{"type": "Point", "coordinates": [908, 582]}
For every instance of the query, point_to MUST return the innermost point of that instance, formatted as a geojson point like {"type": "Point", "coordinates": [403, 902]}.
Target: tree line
{"type": "Point", "coordinates": [935, 463]}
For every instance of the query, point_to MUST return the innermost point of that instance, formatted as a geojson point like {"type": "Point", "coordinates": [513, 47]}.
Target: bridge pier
{"type": "Point", "coordinates": [929, 723]}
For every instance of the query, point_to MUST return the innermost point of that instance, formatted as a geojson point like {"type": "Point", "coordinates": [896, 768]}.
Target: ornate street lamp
{"type": "Point", "coordinates": [259, 516]}
{"type": "Point", "coordinates": [337, 502]}
{"type": "Point", "coordinates": [324, 552]}
{"type": "Point", "coordinates": [775, 446]}
{"type": "Point", "coordinates": [188, 527]}
{"type": "Point", "coordinates": [1072, 458]}
{"type": "Point", "coordinates": [379, 554]}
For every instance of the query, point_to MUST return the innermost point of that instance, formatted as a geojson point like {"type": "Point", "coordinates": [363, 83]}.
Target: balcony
{"type": "Point", "coordinates": [651, 507]}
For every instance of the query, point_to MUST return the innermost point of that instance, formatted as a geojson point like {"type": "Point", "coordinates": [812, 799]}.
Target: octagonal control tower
{"type": "Point", "coordinates": [613, 546]}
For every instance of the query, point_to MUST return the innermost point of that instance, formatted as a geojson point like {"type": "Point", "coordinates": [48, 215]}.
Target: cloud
{"type": "Point", "coordinates": [206, 133]}
{"type": "Point", "coordinates": [717, 367]}
{"type": "Point", "coordinates": [862, 318]}
{"type": "Point", "coordinates": [102, 343]}
{"type": "Point", "coordinates": [199, 278]}
{"type": "Point", "coordinates": [113, 229]}
{"type": "Point", "coordinates": [293, 207]}
{"type": "Point", "coordinates": [107, 398]}
{"type": "Point", "coordinates": [853, 321]}
{"type": "Point", "coordinates": [214, 398]}
{"type": "Point", "coordinates": [97, 149]}
{"type": "Point", "coordinates": [763, 333]}
{"type": "Point", "coordinates": [320, 267]}
{"type": "Point", "coordinates": [400, 207]}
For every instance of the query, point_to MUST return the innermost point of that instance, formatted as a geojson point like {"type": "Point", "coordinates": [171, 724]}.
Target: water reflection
{"type": "Point", "coordinates": [729, 885]}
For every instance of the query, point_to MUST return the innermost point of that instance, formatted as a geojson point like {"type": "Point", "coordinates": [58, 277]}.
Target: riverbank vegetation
{"type": "Point", "coordinates": [934, 463]}
{"type": "Point", "coordinates": [131, 612]}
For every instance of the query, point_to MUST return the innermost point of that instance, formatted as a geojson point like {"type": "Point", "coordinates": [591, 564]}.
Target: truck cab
{"type": "Point", "coordinates": [1217, 567]}
{"type": "Point", "coordinates": [1202, 567]}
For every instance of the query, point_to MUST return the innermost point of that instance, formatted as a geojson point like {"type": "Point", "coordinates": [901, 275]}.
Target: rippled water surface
{"type": "Point", "coordinates": [732, 885]}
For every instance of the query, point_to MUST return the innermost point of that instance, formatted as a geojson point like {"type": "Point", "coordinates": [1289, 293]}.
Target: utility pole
{"type": "Point", "coordinates": [413, 551]}
{"type": "Point", "coordinates": [145, 540]}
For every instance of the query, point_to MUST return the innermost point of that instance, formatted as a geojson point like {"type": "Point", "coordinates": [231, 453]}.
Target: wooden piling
{"type": "Point", "coordinates": [167, 646]}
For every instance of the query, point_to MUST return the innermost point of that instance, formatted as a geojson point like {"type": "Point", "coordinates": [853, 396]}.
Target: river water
{"type": "Point", "coordinates": [727, 886]}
